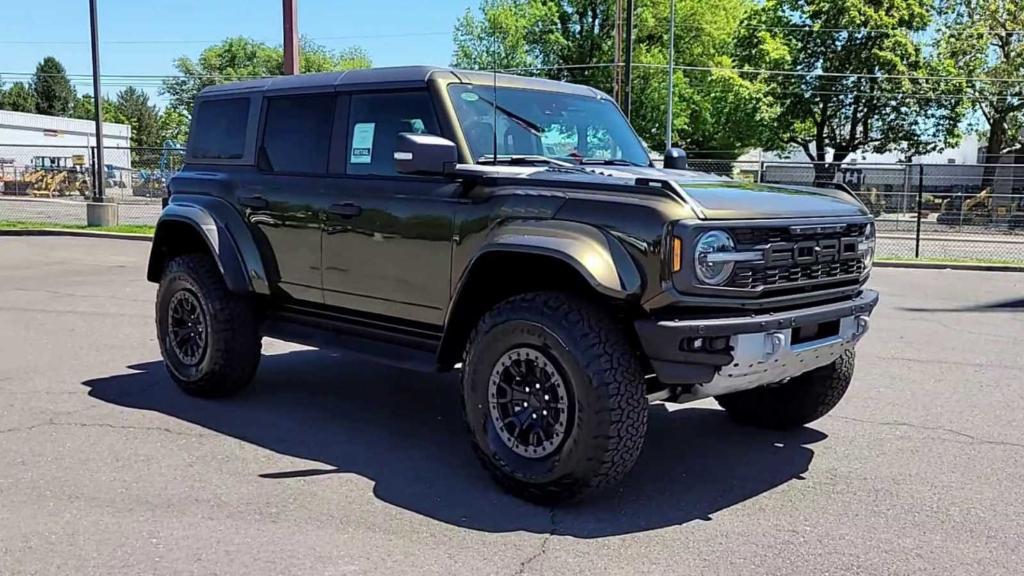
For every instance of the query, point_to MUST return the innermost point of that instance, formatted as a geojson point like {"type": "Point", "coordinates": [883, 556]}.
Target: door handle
{"type": "Point", "coordinates": [256, 201]}
{"type": "Point", "coordinates": [346, 210]}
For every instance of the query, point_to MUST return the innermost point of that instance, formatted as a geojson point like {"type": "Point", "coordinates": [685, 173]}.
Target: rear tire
{"type": "Point", "coordinates": [802, 400]}
{"type": "Point", "coordinates": [553, 344]}
{"type": "Point", "coordinates": [208, 336]}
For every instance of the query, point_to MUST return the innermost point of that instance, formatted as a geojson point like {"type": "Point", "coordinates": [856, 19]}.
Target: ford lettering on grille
{"type": "Point", "coordinates": [811, 251]}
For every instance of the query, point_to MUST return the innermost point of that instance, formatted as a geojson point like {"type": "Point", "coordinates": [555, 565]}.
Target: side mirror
{"type": "Point", "coordinates": [424, 154]}
{"type": "Point", "coordinates": [675, 159]}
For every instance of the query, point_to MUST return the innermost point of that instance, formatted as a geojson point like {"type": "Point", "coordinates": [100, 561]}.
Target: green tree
{"type": "Point", "coordinates": [174, 127]}
{"type": "Point", "coordinates": [852, 82]}
{"type": "Point", "coordinates": [507, 35]}
{"type": "Point", "coordinates": [573, 40]}
{"type": "Point", "coordinates": [242, 58]}
{"type": "Point", "coordinates": [84, 107]}
{"type": "Point", "coordinates": [977, 40]}
{"type": "Point", "coordinates": [55, 96]}
{"type": "Point", "coordinates": [18, 98]}
{"type": "Point", "coordinates": [133, 107]}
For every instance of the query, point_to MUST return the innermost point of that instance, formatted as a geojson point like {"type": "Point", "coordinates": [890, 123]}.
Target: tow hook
{"type": "Point", "coordinates": [862, 327]}
{"type": "Point", "coordinates": [774, 342]}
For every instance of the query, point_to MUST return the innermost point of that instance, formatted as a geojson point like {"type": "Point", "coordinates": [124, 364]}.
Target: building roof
{"type": "Point", "coordinates": [393, 77]}
{"type": "Point", "coordinates": [9, 119]}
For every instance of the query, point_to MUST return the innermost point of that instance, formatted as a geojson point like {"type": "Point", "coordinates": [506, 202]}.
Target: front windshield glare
{"type": "Point", "coordinates": [558, 125]}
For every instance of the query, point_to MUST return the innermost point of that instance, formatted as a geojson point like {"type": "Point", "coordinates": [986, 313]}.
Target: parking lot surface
{"type": "Point", "coordinates": [331, 465]}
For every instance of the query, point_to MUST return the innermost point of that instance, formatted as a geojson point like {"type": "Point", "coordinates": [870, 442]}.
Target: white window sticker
{"type": "Point", "coordinates": [362, 143]}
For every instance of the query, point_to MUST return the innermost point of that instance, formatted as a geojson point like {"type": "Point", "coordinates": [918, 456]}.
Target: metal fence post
{"type": "Point", "coordinates": [920, 201]}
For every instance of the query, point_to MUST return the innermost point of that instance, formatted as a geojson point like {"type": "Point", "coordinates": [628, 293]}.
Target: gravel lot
{"type": "Point", "coordinates": [330, 465]}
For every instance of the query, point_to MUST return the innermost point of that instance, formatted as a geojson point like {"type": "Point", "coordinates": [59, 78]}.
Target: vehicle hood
{"type": "Point", "coordinates": [712, 197]}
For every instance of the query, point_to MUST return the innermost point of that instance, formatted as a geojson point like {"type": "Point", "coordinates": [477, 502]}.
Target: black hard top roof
{"type": "Point", "coordinates": [391, 77]}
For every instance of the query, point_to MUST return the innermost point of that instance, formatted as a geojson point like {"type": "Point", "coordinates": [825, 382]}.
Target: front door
{"type": "Point", "coordinates": [285, 201]}
{"type": "Point", "coordinates": [388, 237]}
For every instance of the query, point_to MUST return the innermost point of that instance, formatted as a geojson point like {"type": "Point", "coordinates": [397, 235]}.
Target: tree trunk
{"type": "Point", "coordinates": [993, 151]}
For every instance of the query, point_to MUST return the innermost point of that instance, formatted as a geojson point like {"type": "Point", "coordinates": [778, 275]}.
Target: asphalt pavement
{"type": "Point", "coordinates": [331, 465]}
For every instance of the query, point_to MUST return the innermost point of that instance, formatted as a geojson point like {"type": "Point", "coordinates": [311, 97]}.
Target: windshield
{"type": "Point", "coordinates": [535, 123]}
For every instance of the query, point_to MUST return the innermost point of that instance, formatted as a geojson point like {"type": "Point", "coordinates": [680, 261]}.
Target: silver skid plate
{"type": "Point", "coordinates": [769, 357]}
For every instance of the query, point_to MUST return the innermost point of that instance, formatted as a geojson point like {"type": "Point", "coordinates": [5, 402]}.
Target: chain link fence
{"type": "Point", "coordinates": [932, 211]}
{"type": "Point", "coordinates": [52, 184]}
{"type": "Point", "coordinates": [935, 211]}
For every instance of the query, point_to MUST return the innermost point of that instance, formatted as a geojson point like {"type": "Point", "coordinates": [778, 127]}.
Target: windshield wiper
{"type": "Point", "coordinates": [525, 122]}
{"type": "Point", "coordinates": [610, 162]}
{"type": "Point", "coordinates": [521, 159]}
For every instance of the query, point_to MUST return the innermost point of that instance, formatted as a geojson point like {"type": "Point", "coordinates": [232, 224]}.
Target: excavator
{"type": "Point", "coordinates": [979, 210]}
{"type": "Point", "coordinates": [56, 176]}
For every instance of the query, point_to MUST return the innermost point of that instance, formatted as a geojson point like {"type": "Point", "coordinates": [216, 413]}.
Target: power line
{"type": "Point", "coordinates": [811, 28]}
{"type": "Point", "coordinates": [777, 72]}
{"type": "Point", "coordinates": [265, 41]}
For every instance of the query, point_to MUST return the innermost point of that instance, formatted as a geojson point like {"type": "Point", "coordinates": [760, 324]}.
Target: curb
{"type": "Point", "coordinates": [79, 233]}
{"type": "Point", "coordinates": [950, 266]}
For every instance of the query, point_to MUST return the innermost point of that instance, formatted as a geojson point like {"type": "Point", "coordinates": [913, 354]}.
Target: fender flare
{"type": "Point", "coordinates": [595, 254]}
{"type": "Point", "coordinates": [227, 237]}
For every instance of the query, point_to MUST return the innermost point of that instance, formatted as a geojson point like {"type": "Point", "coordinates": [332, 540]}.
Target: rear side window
{"type": "Point", "coordinates": [297, 134]}
{"type": "Point", "coordinates": [375, 120]}
{"type": "Point", "coordinates": [220, 127]}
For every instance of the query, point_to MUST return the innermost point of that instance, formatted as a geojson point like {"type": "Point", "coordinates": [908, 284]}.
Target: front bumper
{"type": "Point", "coordinates": [762, 349]}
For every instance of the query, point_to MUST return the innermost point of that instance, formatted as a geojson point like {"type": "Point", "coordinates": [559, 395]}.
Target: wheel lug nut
{"type": "Point", "coordinates": [534, 416]}
{"type": "Point", "coordinates": [544, 412]}
{"type": "Point", "coordinates": [546, 397]}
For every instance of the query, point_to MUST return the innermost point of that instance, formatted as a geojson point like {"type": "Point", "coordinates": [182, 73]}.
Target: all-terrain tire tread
{"type": "Point", "coordinates": [232, 323]}
{"type": "Point", "coordinates": [613, 367]}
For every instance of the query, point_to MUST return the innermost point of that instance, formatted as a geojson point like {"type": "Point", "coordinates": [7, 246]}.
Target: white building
{"type": "Point", "coordinates": [25, 136]}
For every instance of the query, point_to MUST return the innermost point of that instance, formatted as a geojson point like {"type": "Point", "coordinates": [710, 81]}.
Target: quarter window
{"type": "Point", "coordinates": [220, 128]}
{"type": "Point", "coordinates": [297, 134]}
{"type": "Point", "coordinates": [375, 120]}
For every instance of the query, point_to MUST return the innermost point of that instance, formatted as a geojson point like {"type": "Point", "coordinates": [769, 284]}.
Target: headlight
{"type": "Point", "coordinates": [711, 270]}
{"type": "Point", "coordinates": [867, 246]}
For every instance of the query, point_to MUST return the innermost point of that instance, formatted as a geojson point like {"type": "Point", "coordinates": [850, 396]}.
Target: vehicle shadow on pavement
{"type": "Point", "coordinates": [403, 431]}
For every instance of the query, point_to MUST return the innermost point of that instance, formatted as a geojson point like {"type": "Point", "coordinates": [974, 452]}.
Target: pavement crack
{"type": "Point", "coordinates": [103, 425]}
{"type": "Point", "coordinates": [899, 424]}
{"type": "Point", "coordinates": [525, 564]}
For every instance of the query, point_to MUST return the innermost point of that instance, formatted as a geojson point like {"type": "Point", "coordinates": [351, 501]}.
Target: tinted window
{"type": "Point", "coordinates": [220, 129]}
{"type": "Point", "coordinates": [297, 134]}
{"type": "Point", "coordinates": [374, 122]}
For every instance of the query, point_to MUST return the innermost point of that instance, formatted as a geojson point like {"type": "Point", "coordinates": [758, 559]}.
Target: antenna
{"type": "Point", "coordinates": [494, 95]}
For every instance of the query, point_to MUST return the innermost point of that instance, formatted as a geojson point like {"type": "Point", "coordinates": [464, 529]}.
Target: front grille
{"type": "Point", "coordinates": [749, 238]}
{"type": "Point", "coordinates": [786, 271]}
{"type": "Point", "coordinates": [759, 276]}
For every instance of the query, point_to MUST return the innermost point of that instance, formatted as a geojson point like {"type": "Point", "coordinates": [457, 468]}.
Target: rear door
{"type": "Point", "coordinates": [387, 236]}
{"type": "Point", "coordinates": [285, 200]}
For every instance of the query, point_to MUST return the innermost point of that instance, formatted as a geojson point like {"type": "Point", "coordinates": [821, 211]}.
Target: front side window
{"type": "Point", "coordinates": [376, 120]}
{"type": "Point", "coordinates": [558, 125]}
{"type": "Point", "coordinates": [297, 134]}
{"type": "Point", "coordinates": [220, 128]}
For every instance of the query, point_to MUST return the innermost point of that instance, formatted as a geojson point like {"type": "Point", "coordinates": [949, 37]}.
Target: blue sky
{"type": "Point", "coordinates": [144, 36]}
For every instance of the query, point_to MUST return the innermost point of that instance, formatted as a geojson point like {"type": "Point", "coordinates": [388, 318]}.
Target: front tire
{"type": "Point", "coordinates": [801, 400]}
{"type": "Point", "coordinates": [553, 397]}
{"type": "Point", "coordinates": [208, 336]}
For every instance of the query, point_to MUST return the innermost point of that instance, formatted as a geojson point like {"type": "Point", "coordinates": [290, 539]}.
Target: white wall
{"type": "Point", "coordinates": [24, 135]}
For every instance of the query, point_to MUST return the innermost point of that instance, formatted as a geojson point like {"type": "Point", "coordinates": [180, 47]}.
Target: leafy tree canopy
{"type": "Point", "coordinates": [239, 58]}
{"type": "Point", "coordinates": [54, 94]}
{"type": "Point", "coordinates": [853, 86]}
{"type": "Point", "coordinates": [18, 98]}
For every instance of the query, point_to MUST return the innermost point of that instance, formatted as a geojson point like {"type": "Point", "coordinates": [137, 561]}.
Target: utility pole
{"type": "Point", "coordinates": [671, 69]}
{"type": "Point", "coordinates": [628, 97]}
{"type": "Point", "coordinates": [291, 37]}
{"type": "Point", "coordinates": [100, 167]}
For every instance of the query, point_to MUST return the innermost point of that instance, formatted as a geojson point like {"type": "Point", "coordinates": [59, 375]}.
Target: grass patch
{"type": "Point", "coordinates": [995, 261]}
{"type": "Point", "coordinates": [122, 229]}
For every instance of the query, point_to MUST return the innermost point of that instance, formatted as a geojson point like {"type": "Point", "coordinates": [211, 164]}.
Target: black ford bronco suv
{"type": "Point", "coordinates": [514, 230]}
